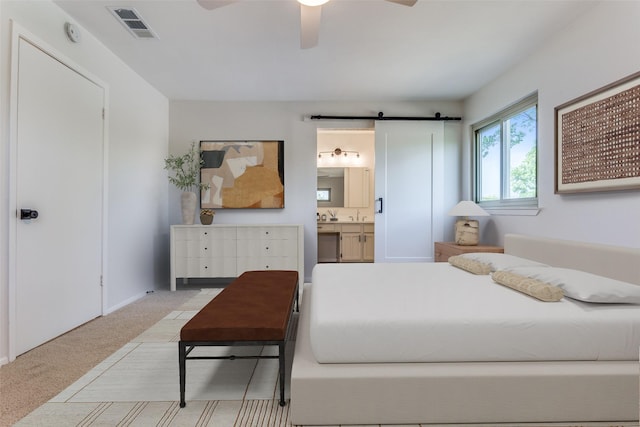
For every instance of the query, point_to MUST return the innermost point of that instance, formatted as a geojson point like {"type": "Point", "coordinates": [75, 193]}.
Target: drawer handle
{"type": "Point", "coordinates": [267, 248]}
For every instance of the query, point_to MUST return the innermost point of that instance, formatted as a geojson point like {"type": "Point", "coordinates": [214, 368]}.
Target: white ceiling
{"type": "Point", "coordinates": [368, 49]}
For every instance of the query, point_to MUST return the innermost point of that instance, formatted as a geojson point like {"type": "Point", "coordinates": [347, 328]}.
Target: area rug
{"type": "Point", "coordinates": [139, 384]}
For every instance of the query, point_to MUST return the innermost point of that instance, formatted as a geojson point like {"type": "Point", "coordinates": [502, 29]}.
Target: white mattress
{"type": "Point", "coordinates": [433, 312]}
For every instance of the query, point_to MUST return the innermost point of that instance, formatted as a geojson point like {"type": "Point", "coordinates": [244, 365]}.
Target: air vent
{"type": "Point", "coordinates": [132, 21]}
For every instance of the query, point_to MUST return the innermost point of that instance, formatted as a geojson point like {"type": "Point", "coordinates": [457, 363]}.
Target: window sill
{"type": "Point", "coordinates": [513, 211]}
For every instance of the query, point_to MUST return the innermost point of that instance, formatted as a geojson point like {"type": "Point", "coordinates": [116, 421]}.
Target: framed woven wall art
{"type": "Point", "coordinates": [242, 174]}
{"type": "Point", "coordinates": [597, 141]}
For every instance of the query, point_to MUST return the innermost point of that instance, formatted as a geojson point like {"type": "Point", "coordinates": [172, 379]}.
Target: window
{"type": "Point", "coordinates": [324, 194]}
{"type": "Point", "coordinates": [505, 152]}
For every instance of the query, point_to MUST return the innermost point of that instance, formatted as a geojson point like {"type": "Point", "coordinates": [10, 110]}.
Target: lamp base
{"type": "Point", "coordinates": [467, 232]}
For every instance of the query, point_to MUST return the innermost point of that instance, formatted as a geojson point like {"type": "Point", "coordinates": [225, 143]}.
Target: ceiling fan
{"type": "Point", "coordinates": [310, 13]}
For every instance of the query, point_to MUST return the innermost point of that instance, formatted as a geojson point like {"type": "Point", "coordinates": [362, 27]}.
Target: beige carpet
{"type": "Point", "coordinates": [40, 374]}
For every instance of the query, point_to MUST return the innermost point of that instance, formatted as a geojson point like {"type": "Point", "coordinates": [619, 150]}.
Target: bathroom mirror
{"type": "Point", "coordinates": [346, 187]}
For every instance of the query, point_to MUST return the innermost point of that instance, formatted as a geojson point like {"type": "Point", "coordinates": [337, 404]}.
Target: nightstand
{"type": "Point", "coordinates": [443, 250]}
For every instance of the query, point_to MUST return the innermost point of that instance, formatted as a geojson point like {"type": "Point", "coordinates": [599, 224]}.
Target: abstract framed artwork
{"type": "Point", "coordinates": [597, 139]}
{"type": "Point", "coordinates": [242, 174]}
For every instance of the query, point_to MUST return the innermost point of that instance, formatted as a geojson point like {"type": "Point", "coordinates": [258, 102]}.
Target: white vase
{"type": "Point", "coordinates": [188, 200]}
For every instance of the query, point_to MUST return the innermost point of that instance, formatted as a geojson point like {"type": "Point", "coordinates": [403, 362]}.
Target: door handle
{"type": "Point", "coordinates": [379, 199]}
{"type": "Point", "coordinates": [26, 214]}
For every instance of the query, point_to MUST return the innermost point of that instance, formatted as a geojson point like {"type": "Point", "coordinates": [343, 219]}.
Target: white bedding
{"type": "Point", "coordinates": [433, 312]}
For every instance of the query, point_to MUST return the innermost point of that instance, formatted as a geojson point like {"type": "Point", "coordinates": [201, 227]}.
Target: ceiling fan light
{"type": "Point", "coordinates": [312, 2]}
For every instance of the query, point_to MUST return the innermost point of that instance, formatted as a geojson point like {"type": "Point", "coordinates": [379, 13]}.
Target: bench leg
{"type": "Point", "coordinates": [281, 349]}
{"type": "Point", "coordinates": [182, 360]}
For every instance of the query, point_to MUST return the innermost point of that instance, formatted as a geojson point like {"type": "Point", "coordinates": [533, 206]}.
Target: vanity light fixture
{"type": "Point", "coordinates": [338, 152]}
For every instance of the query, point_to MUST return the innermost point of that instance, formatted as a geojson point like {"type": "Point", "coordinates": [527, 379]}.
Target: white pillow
{"type": "Point", "coordinates": [583, 286]}
{"type": "Point", "coordinates": [498, 261]}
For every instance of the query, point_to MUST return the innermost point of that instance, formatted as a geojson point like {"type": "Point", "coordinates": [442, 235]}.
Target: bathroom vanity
{"type": "Point", "coordinates": [345, 241]}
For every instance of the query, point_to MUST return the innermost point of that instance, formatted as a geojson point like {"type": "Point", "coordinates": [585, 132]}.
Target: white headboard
{"type": "Point", "coordinates": [610, 261]}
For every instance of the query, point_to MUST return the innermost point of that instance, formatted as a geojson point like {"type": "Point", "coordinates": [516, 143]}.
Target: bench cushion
{"type": "Point", "coordinates": [254, 307]}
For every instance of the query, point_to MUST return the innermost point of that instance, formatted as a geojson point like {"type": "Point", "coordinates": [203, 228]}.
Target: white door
{"type": "Point", "coordinates": [409, 158]}
{"type": "Point", "coordinates": [58, 173]}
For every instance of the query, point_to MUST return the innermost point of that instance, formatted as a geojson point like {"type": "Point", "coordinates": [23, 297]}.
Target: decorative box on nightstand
{"type": "Point", "coordinates": [443, 250]}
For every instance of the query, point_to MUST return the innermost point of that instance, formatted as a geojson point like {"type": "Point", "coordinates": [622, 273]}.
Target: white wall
{"type": "Point", "coordinates": [600, 47]}
{"type": "Point", "coordinates": [137, 145]}
{"type": "Point", "coordinates": [193, 121]}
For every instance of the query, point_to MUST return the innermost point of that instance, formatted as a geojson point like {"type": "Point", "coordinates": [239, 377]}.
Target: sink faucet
{"type": "Point", "coordinates": [351, 217]}
{"type": "Point", "coordinates": [358, 215]}
{"type": "Point", "coordinates": [364, 217]}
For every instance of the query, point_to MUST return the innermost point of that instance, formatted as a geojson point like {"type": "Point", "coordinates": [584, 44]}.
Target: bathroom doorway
{"type": "Point", "coordinates": [345, 195]}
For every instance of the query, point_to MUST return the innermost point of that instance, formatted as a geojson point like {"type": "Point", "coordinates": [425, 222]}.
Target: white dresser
{"type": "Point", "coordinates": [226, 250]}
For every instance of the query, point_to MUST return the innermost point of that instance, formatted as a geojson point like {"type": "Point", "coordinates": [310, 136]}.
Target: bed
{"type": "Point", "coordinates": [476, 373]}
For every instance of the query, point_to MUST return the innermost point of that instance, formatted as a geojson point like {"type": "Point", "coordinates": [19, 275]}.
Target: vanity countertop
{"type": "Point", "coordinates": [345, 222]}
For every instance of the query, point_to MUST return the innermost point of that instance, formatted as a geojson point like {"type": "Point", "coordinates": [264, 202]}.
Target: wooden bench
{"type": "Point", "coordinates": [255, 309]}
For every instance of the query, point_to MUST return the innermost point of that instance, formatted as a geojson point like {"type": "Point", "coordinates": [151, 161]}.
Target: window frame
{"type": "Point", "coordinates": [500, 119]}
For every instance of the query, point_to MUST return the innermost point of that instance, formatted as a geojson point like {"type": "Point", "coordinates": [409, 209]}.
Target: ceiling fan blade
{"type": "Point", "coordinates": [404, 2]}
{"type": "Point", "coordinates": [309, 25]}
{"type": "Point", "coordinates": [214, 4]}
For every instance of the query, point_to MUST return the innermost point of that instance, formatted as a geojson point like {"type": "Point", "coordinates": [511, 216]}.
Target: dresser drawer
{"type": "Point", "coordinates": [267, 247]}
{"type": "Point", "coordinates": [205, 248]}
{"type": "Point", "coordinates": [205, 267]}
{"type": "Point", "coordinates": [266, 263]}
{"type": "Point", "coordinates": [267, 233]}
{"type": "Point", "coordinates": [204, 233]}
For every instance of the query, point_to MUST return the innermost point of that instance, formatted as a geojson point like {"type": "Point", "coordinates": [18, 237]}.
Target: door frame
{"type": "Point", "coordinates": [17, 33]}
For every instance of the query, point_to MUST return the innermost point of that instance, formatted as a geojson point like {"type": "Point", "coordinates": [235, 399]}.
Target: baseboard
{"type": "Point", "coordinates": [124, 303]}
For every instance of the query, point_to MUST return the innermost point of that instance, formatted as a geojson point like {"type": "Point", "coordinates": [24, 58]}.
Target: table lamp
{"type": "Point", "coordinates": [467, 231]}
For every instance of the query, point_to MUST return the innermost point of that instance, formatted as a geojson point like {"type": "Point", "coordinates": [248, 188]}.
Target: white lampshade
{"type": "Point", "coordinates": [313, 2]}
{"type": "Point", "coordinates": [467, 208]}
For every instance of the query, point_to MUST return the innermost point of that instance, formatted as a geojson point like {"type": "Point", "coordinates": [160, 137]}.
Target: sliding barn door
{"type": "Point", "coordinates": [408, 187]}
{"type": "Point", "coordinates": [58, 174]}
